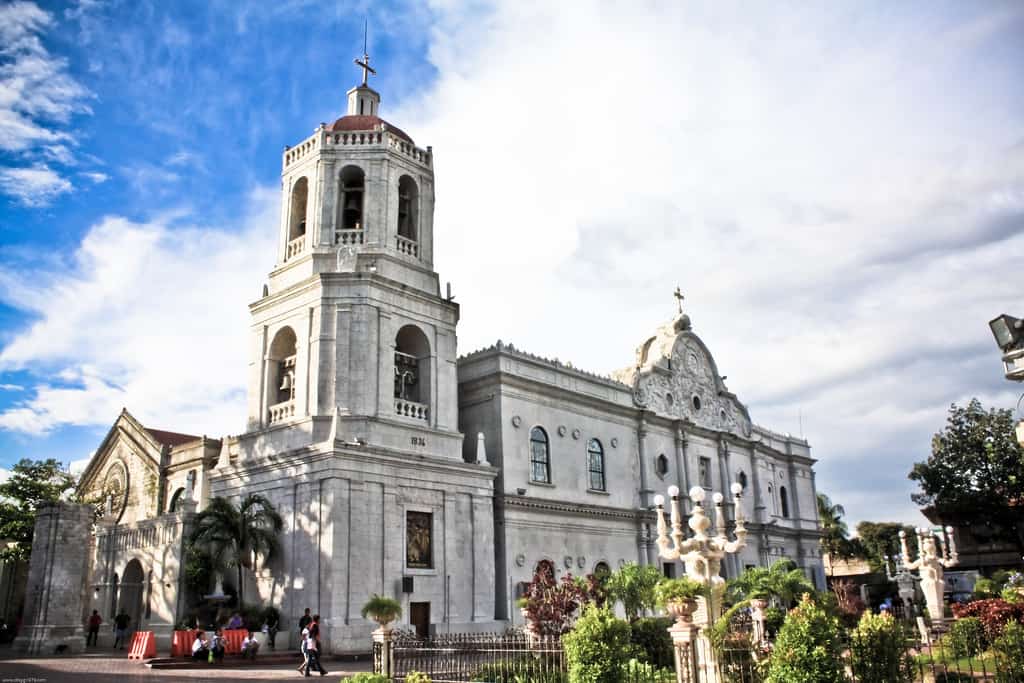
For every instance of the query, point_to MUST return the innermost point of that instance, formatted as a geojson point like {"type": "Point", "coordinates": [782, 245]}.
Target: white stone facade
{"type": "Point", "coordinates": [364, 430]}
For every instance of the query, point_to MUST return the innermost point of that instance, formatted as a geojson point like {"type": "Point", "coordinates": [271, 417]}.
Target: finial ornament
{"type": "Point", "coordinates": [365, 64]}
{"type": "Point", "coordinates": [678, 294]}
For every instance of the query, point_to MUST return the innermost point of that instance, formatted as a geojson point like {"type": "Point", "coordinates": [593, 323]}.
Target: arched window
{"type": "Point", "coordinates": [412, 373]}
{"type": "Point", "coordinates": [661, 465]}
{"type": "Point", "coordinates": [297, 217]}
{"type": "Point", "coordinates": [176, 499]}
{"type": "Point", "coordinates": [595, 465]}
{"type": "Point", "coordinates": [741, 479]}
{"type": "Point", "coordinates": [408, 196]}
{"type": "Point", "coordinates": [351, 184]}
{"type": "Point", "coordinates": [281, 375]}
{"type": "Point", "coordinates": [784, 501]}
{"type": "Point", "coordinates": [540, 456]}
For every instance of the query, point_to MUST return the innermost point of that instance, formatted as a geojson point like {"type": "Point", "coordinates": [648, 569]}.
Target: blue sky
{"type": "Point", "coordinates": [838, 189]}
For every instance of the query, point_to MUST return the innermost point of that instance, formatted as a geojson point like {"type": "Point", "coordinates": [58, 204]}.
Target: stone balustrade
{"type": "Point", "coordinates": [407, 246]}
{"type": "Point", "coordinates": [142, 534]}
{"type": "Point", "coordinates": [324, 139]}
{"type": "Point", "coordinates": [348, 237]}
{"type": "Point", "coordinates": [417, 411]}
{"type": "Point", "coordinates": [295, 247]}
{"type": "Point", "coordinates": [281, 411]}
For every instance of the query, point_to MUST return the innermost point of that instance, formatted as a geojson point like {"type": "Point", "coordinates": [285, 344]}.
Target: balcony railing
{"type": "Point", "coordinates": [417, 411]}
{"type": "Point", "coordinates": [407, 246]}
{"type": "Point", "coordinates": [348, 237]}
{"type": "Point", "coordinates": [294, 247]}
{"type": "Point", "coordinates": [280, 412]}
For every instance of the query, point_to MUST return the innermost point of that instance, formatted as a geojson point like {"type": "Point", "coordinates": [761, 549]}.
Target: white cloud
{"type": "Point", "coordinates": [35, 186]}
{"type": "Point", "coordinates": [96, 176]}
{"type": "Point", "coordinates": [159, 325]}
{"type": "Point", "coordinates": [37, 95]}
{"type": "Point", "coordinates": [842, 206]}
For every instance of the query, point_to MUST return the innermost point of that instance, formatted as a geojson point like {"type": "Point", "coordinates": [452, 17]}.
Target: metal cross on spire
{"type": "Point", "coordinates": [678, 294]}
{"type": "Point", "coordinates": [365, 64]}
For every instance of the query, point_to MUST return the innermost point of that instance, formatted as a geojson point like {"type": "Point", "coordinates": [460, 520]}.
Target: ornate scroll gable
{"type": "Point", "coordinates": [676, 377]}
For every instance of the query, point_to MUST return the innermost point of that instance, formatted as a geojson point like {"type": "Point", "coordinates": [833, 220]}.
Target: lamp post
{"type": "Point", "coordinates": [1009, 334]}
{"type": "Point", "coordinates": [702, 554]}
{"type": "Point", "coordinates": [931, 563]}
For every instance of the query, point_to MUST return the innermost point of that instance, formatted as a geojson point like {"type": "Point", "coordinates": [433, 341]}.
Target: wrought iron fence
{"type": "Point", "coordinates": [488, 657]}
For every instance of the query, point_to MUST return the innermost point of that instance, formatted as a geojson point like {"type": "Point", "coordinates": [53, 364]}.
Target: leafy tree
{"type": "Point", "coordinates": [633, 586]}
{"type": "Point", "coordinates": [551, 605]}
{"type": "Point", "coordinates": [975, 474]}
{"type": "Point", "coordinates": [32, 483]}
{"type": "Point", "coordinates": [882, 539]}
{"type": "Point", "coordinates": [783, 582]}
{"type": "Point", "coordinates": [236, 536]}
{"type": "Point", "coordinates": [835, 540]}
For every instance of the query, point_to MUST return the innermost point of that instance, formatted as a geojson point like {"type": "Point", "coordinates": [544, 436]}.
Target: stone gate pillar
{"type": "Point", "coordinates": [57, 574]}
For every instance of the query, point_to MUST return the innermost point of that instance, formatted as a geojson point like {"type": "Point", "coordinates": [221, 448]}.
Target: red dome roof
{"type": "Point", "coordinates": [356, 122]}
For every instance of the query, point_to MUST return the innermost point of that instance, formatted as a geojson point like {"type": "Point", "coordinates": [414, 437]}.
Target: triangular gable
{"type": "Point", "coordinates": [139, 441]}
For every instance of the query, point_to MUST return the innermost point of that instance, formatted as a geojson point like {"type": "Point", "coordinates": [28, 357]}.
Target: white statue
{"type": "Point", "coordinates": [931, 563]}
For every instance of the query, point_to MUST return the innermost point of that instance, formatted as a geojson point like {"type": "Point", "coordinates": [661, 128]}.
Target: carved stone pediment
{"type": "Point", "coordinates": [676, 376]}
{"type": "Point", "coordinates": [123, 477]}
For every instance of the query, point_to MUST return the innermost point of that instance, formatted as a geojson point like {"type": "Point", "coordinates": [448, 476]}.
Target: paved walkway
{"type": "Point", "coordinates": [108, 668]}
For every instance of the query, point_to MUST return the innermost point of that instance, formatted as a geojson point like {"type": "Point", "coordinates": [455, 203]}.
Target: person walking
{"type": "Point", "coordinates": [313, 648]}
{"type": "Point", "coordinates": [270, 628]}
{"type": "Point", "coordinates": [121, 628]}
{"type": "Point", "coordinates": [304, 622]}
{"type": "Point", "coordinates": [94, 628]}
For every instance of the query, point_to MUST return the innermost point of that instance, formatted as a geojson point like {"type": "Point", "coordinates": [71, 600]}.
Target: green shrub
{"type": "Point", "coordinates": [642, 671]}
{"type": "Point", "coordinates": [808, 648]}
{"type": "Point", "coordinates": [1009, 654]}
{"type": "Point", "coordinates": [878, 651]}
{"type": "Point", "coordinates": [597, 648]}
{"type": "Point", "coordinates": [966, 637]}
{"type": "Point", "coordinates": [367, 678]}
{"type": "Point", "coordinates": [525, 668]}
{"type": "Point", "coordinates": [773, 619]}
{"type": "Point", "coordinates": [652, 642]}
{"type": "Point", "coordinates": [416, 677]}
{"type": "Point", "coordinates": [381, 609]}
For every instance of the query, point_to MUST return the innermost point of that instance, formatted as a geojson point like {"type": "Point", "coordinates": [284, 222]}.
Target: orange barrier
{"type": "Point", "coordinates": [143, 645]}
{"type": "Point", "coordinates": [233, 640]}
{"type": "Point", "coordinates": [181, 643]}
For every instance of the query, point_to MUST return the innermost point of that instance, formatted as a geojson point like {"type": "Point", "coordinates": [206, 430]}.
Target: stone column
{"type": "Point", "coordinates": [682, 465]}
{"type": "Point", "coordinates": [58, 571]}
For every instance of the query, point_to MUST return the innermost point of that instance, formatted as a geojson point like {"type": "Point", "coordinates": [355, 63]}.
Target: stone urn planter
{"type": "Point", "coordinates": [682, 610]}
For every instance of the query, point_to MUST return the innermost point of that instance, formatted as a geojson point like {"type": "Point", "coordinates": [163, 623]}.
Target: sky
{"type": "Point", "coordinates": [837, 188]}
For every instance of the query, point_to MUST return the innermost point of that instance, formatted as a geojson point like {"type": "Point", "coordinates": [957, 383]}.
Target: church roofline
{"type": "Point", "coordinates": [501, 347]}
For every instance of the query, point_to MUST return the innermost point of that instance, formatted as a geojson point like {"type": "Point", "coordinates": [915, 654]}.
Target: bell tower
{"type": "Point", "coordinates": [352, 333]}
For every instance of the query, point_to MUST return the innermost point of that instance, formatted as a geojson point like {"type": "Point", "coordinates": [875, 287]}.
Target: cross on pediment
{"type": "Point", "coordinates": [678, 294]}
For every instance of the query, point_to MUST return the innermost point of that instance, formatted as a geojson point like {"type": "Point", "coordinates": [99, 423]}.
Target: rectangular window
{"type": "Point", "coordinates": [668, 569]}
{"type": "Point", "coordinates": [705, 472]}
{"type": "Point", "coordinates": [419, 530]}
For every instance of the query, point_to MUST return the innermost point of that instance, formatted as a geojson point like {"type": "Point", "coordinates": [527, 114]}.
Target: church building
{"type": "Point", "coordinates": [402, 469]}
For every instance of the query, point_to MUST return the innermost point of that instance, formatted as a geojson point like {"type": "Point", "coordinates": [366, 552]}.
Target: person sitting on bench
{"type": "Point", "coordinates": [250, 646]}
{"type": "Point", "coordinates": [200, 650]}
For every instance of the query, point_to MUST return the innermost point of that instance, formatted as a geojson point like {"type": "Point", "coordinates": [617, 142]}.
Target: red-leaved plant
{"type": "Point", "coordinates": [994, 614]}
{"type": "Point", "coordinates": [552, 605]}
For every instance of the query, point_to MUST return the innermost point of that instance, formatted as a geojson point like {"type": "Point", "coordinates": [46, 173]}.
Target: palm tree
{"type": "Point", "coordinates": [835, 539]}
{"type": "Point", "coordinates": [783, 582]}
{"type": "Point", "coordinates": [236, 536]}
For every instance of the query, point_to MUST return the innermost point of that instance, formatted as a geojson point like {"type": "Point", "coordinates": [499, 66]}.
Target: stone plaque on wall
{"type": "Point", "coordinates": [418, 540]}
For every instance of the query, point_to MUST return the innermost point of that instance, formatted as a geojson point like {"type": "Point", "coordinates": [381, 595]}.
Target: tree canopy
{"type": "Point", "coordinates": [633, 586]}
{"type": "Point", "coordinates": [975, 473]}
{"type": "Point", "coordinates": [783, 582]}
{"type": "Point", "coordinates": [32, 483]}
{"type": "Point", "coordinates": [835, 539]}
{"type": "Point", "coordinates": [882, 539]}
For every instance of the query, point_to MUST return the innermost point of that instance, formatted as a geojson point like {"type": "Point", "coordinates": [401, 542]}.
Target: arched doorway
{"type": "Point", "coordinates": [132, 592]}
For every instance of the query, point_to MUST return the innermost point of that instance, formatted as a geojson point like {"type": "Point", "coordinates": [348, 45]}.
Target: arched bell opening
{"type": "Point", "coordinates": [412, 373]}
